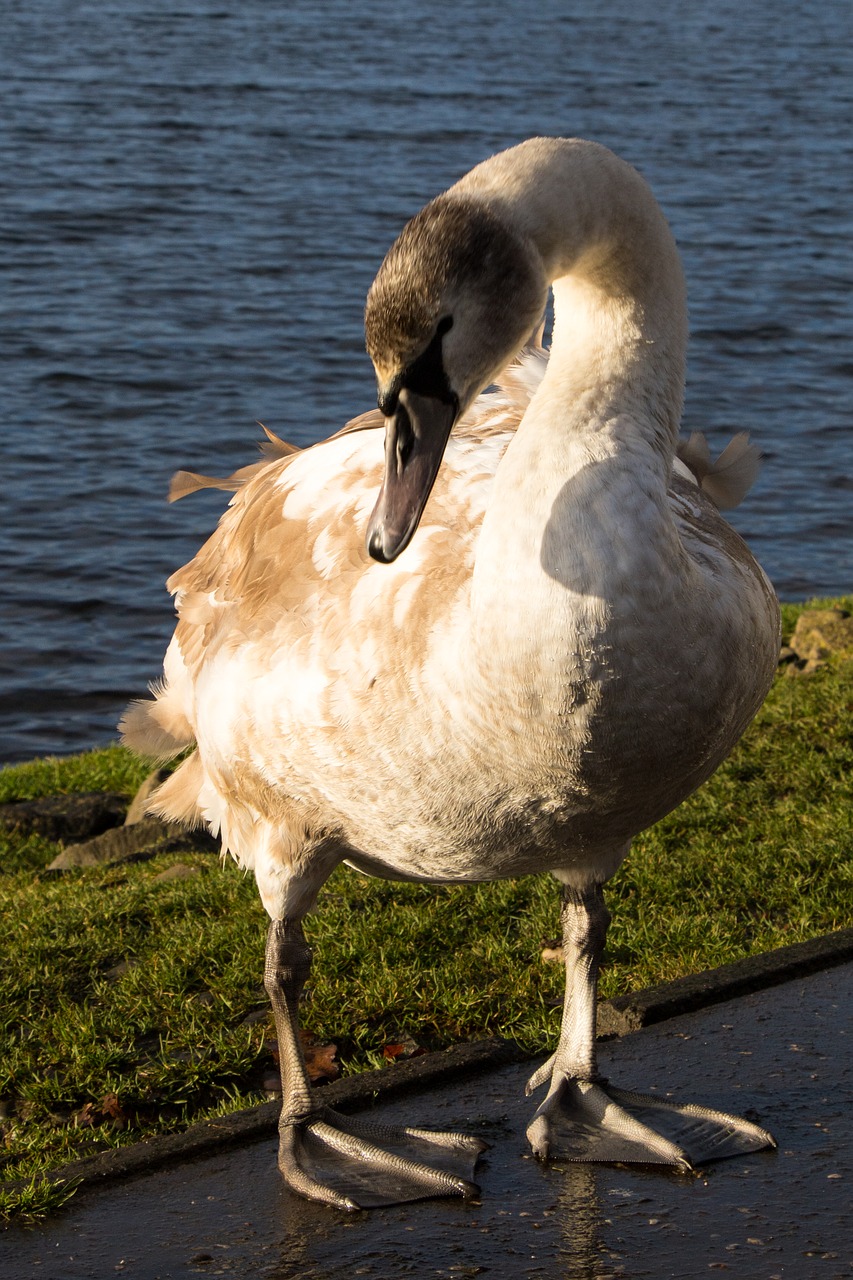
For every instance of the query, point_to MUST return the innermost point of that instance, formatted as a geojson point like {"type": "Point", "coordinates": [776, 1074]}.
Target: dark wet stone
{"type": "Point", "coordinates": [78, 816]}
{"type": "Point", "coordinates": [711, 986]}
{"type": "Point", "coordinates": [143, 840]}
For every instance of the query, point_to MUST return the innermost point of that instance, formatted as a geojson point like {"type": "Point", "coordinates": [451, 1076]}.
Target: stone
{"type": "Point", "coordinates": [821, 634]}
{"type": "Point", "coordinates": [136, 843]}
{"type": "Point", "coordinates": [136, 812]}
{"type": "Point", "coordinates": [78, 816]}
{"type": "Point", "coordinates": [177, 871]}
{"type": "Point", "coordinates": [205, 999]}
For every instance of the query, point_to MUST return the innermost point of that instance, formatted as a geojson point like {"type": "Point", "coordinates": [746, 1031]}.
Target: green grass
{"type": "Point", "coordinates": [758, 857]}
{"type": "Point", "coordinates": [112, 769]}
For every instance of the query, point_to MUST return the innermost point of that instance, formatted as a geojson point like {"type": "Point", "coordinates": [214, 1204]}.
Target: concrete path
{"type": "Point", "coordinates": [781, 1056]}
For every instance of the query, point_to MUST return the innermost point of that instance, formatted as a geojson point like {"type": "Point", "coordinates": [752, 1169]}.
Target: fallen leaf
{"type": "Point", "coordinates": [108, 1109]}
{"type": "Point", "coordinates": [407, 1048]}
{"type": "Point", "coordinates": [319, 1062]}
{"type": "Point", "coordinates": [112, 1109]}
{"type": "Point", "coordinates": [87, 1116]}
{"type": "Point", "coordinates": [319, 1058]}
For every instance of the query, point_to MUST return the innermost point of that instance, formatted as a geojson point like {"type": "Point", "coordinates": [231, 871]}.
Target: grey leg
{"type": "Point", "coordinates": [345, 1161]}
{"type": "Point", "coordinates": [585, 920]}
{"type": "Point", "coordinates": [585, 1118]}
{"type": "Point", "coordinates": [286, 970]}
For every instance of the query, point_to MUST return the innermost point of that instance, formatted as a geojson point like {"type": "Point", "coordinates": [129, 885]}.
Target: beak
{"type": "Point", "coordinates": [415, 439]}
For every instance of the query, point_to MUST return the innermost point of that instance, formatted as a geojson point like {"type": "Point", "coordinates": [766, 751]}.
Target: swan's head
{"type": "Point", "coordinates": [458, 294]}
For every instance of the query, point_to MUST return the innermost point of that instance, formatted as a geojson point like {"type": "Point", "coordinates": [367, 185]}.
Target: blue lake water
{"type": "Point", "coordinates": [197, 194]}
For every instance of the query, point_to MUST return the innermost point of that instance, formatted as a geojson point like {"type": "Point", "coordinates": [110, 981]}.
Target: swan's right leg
{"type": "Point", "coordinates": [345, 1161]}
{"type": "Point", "coordinates": [587, 1119]}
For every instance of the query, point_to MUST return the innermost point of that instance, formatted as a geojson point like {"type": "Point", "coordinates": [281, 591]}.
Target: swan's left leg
{"type": "Point", "coordinates": [586, 1119]}
{"type": "Point", "coordinates": [339, 1160]}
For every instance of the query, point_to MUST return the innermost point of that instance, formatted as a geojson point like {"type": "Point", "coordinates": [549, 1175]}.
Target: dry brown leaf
{"type": "Point", "coordinates": [319, 1062]}
{"type": "Point", "coordinates": [87, 1116]}
{"type": "Point", "coordinates": [110, 1106]}
{"type": "Point", "coordinates": [109, 1109]}
{"type": "Point", "coordinates": [319, 1058]}
{"type": "Point", "coordinates": [407, 1048]}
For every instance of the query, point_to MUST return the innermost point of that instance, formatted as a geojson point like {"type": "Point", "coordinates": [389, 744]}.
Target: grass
{"type": "Point", "coordinates": [127, 1002]}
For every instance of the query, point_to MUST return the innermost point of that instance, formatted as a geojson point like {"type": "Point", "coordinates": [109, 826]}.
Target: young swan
{"type": "Point", "coordinates": [553, 640]}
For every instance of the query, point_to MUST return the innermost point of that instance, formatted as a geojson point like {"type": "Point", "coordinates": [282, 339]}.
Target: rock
{"type": "Point", "coordinates": [136, 812]}
{"type": "Point", "coordinates": [203, 998]}
{"type": "Point", "coordinates": [134, 844]}
{"type": "Point", "coordinates": [177, 871]}
{"type": "Point", "coordinates": [78, 816]}
{"type": "Point", "coordinates": [258, 1015]}
{"type": "Point", "coordinates": [821, 634]}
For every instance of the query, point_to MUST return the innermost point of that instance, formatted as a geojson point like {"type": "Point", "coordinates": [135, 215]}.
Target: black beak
{"type": "Point", "coordinates": [415, 440]}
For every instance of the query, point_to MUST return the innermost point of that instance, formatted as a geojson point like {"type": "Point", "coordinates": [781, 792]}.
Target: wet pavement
{"type": "Point", "coordinates": [782, 1057]}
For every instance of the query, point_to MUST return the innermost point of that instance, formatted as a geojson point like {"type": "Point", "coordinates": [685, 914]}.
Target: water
{"type": "Point", "coordinates": [196, 198]}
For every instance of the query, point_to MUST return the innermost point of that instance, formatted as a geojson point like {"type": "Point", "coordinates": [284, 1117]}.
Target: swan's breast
{"type": "Point", "coordinates": [302, 658]}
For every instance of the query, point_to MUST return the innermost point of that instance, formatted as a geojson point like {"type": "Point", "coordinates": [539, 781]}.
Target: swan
{"type": "Point", "coordinates": [533, 643]}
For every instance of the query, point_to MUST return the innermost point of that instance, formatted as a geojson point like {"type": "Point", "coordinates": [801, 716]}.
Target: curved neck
{"type": "Point", "coordinates": [620, 331]}
{"type": "Point", "coordinates": [580, 496]}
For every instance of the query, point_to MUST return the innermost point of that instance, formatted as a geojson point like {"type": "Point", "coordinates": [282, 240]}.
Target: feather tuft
{"type": "Point", "coordinates": [728, 480]}
{"type": "Point", "coordinates": [177, 799]}
{"type": "Point", "coordinates": [187, 482]}
{"type": "Point", "coordinates": [156, 728]}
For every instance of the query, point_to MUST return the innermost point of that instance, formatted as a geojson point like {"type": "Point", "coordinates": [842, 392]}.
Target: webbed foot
{"type": "Point", "coordinates": [598, 1123]}
{"type": "Point", "coordinates": [351, 1163]}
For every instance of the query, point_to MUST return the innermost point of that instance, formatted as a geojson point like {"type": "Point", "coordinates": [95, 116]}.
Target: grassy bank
{"type": "Point", "coordinates": [132, 1004]}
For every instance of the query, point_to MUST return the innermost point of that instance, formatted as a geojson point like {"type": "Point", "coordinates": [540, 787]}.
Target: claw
{"type": "Point", "coordinates": [540, 1076]}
